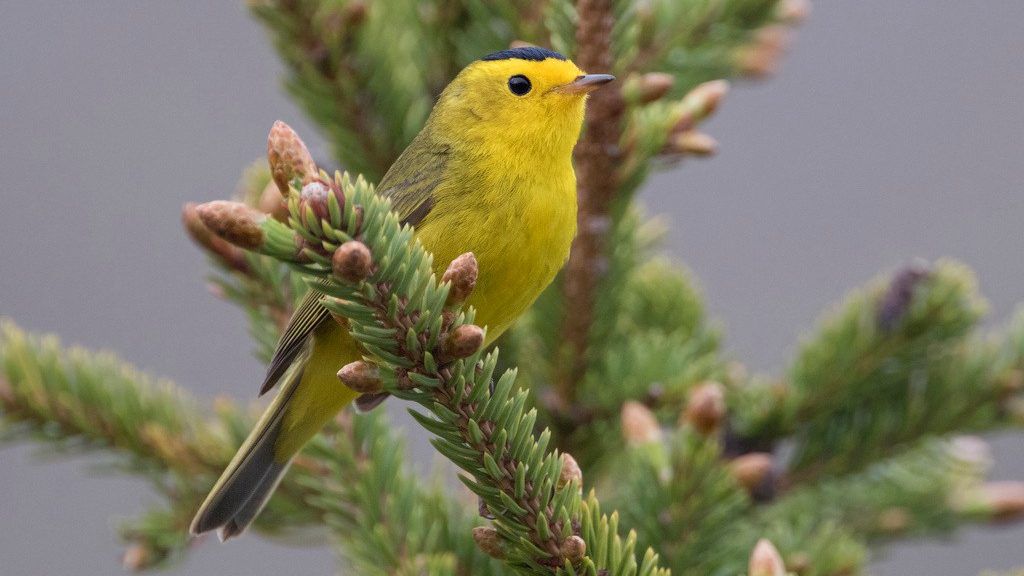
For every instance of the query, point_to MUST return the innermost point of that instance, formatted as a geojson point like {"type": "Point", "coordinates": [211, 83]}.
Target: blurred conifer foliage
{"type": "Point", "coordinates": [610, 435]}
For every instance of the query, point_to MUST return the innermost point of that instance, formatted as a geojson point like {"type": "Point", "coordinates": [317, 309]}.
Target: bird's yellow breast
{"type": "Point", "coordinates": [519, 223]}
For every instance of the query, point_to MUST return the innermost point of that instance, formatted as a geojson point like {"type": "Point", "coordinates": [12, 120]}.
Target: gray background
{"type": "Point", "coordinates": [894, 130]}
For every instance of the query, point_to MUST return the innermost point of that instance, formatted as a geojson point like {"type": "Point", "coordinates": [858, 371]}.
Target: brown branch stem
{"type": "Point", "coordinates": [596, 156]}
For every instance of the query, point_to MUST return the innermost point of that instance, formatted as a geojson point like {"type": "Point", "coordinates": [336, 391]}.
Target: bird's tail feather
{"type": "Point", "coordinates": [251, 477]}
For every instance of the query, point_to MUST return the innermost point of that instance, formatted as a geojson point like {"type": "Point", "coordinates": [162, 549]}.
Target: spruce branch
{"type": "Point", "coordinates": [385, 518]}
{"type": "Point", "coordinates": [432, 356]}
{"type": "Point", "coordinates": [72, 399]}
{"type": "Point", "coordinates": [895, 364]}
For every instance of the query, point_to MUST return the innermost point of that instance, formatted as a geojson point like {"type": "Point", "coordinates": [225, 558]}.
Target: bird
{"type": "Point", "coordinates": [490, 173]}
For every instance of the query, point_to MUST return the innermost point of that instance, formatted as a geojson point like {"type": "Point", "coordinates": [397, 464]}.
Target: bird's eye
{"type": "Point", "coordinates": [519, 85]}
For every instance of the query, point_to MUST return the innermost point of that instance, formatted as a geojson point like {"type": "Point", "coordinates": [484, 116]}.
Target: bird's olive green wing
{"type": "Point", "coordinates": [412, 179]}
{"type": "Point", "coordinates": [303, 322]}
{"type": "Point", "coordinates": [409, 184]}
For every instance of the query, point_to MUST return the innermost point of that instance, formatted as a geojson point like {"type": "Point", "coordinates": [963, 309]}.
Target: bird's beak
{"type": "Point", "coordinates": [584, 84]}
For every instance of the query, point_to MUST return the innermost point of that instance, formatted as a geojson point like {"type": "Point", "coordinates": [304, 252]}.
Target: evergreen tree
{"type": "Point", "coordinates": [614, 385]}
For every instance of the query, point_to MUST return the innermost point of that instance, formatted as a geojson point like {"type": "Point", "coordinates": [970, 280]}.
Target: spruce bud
{"type": "Point", "coordinates": [765, 560]}
{"type": "Point", "coordinates": [700, 103]}
{"type": "Point", "coordinates": [355, 13]}
{"type": "Point", "coordinates": [361, 377]}
{"type": "Point", "coordinates": [793, 12]}
{"type": "Point", "coordinates": [693, 143]}
{"type": "Point", "coordinates": [352, 262]}
{"type": "Point", "coordinates": [230, 255]}
{"type": "Point", "coordinates": [271, 202]}
{"type": "Point", "coordinates": [893, 305]}
{"type": "Point", "coordinates": [313, 198]}
{"type": "Point", "coordinates": [570, 472]}
{"type": "Point", "coordinates": [574, 549]}
{"type": "Point", "coordinates": [751, 470]}
{"type": "Point", "coordinates": [639, 425]}
{"type": "Point", "coordinates": [489, 541]}
{"type": "Point", "coordinates": [1004, 500]}
{"type": "Point", "coordinates": [705, 408]}
{"type": "Point", "coordinates": [234, 222]}
{"type": "Point", "coordinates": [893, 520]}
{"type": "Point", "coordinates": [463, 342]}
{"type": "Point", "coordinates": [288, 157]}
{"type": "Point", "coordinates": [648, 87]}
{"type": "Point", "coordinates": [762, 56]}
{"type": "Point", "coordinates": [461, 275]}
{"type": "Point", "coordinates": [138, 557]}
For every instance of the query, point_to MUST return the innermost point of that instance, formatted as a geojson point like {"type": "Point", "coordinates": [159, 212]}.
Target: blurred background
{"type": "Point", "coordinates": [894, 130]}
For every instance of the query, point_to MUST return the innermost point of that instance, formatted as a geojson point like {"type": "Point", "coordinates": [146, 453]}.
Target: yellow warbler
{"type": "Point", "coordinates": [490, 173]}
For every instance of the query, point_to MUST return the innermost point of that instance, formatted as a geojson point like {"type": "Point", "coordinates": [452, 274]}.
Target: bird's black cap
{"type": "Point", "coordinates": [534, 53]}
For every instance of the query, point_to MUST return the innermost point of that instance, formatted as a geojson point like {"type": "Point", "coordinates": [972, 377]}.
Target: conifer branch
{"type": "Point", "coordinates": [385, 518]}
{"type": "Point", "coordinates": [423, 352]}
{"type": "Point", "coordinates": [895, 364]}
{"type": "Point", "coordinates": [71, 399]}
{"type": "Point", "coordinates": [681, 442]}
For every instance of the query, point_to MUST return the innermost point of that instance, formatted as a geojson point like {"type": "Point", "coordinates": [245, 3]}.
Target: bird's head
{"type": "Point", "coordinates": [522, 100]}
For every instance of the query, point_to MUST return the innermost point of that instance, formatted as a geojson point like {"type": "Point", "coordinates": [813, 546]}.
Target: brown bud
{"type": "Point", "coordinates": [762, 56]}
{"type": "Point", "coordinates": [793, 12]}
{"type": "Point", "coordinates": [230, 255]}
{"type": "Point", "coordinates": [314, 195]}
{"type": "Point", "coordinates": [520, 44]}
{"type": "Point", "coordinates": [750, 470]}
{"type": "Point", "coordinates": [198, 231]}
{"type": "Point", "coordinates": [639, 425]}
{"type": "Point", "coordinates": [705, 408]}
{"type": "Point", "coordinates": [234, 222]}
{"type": "Point", "coordinates": [648, 87]}
{"type": "Point", "coordinates": [137, 557]}
{"type": "Point", "coordinates": [570, 472]}
{"type": "Point", "coordinates": [461, 275]}
{"type": "Point", "coordinates": [463, 342]}
{"type": "Point", "coordinates": [896, 301]}
{"type": "Point", "coordinates": [352, 262]}
{"type": "Point", "coordinates": [271, 202]}
{"type": "Point", "coordinates": [893, 520]}
{"type": "Point", "coordinates": [361, 376]}
{"type": "Point", "coordinates": [693, 143]}
{"type": "Point", "coordinates": [574, 548]}
{"type": "Point", "coordinates": [355, 13]}
{"type": "Point", "coordinates": [489, 541]}
{"type": "Point", "coordinates": [700, 103]}
{"type": "Point", "coordinates": [1004, 500]}
{"type": "Point", "coordinates": [288, 157]}
{"type": "Point", "coordinates": [765, 560]}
